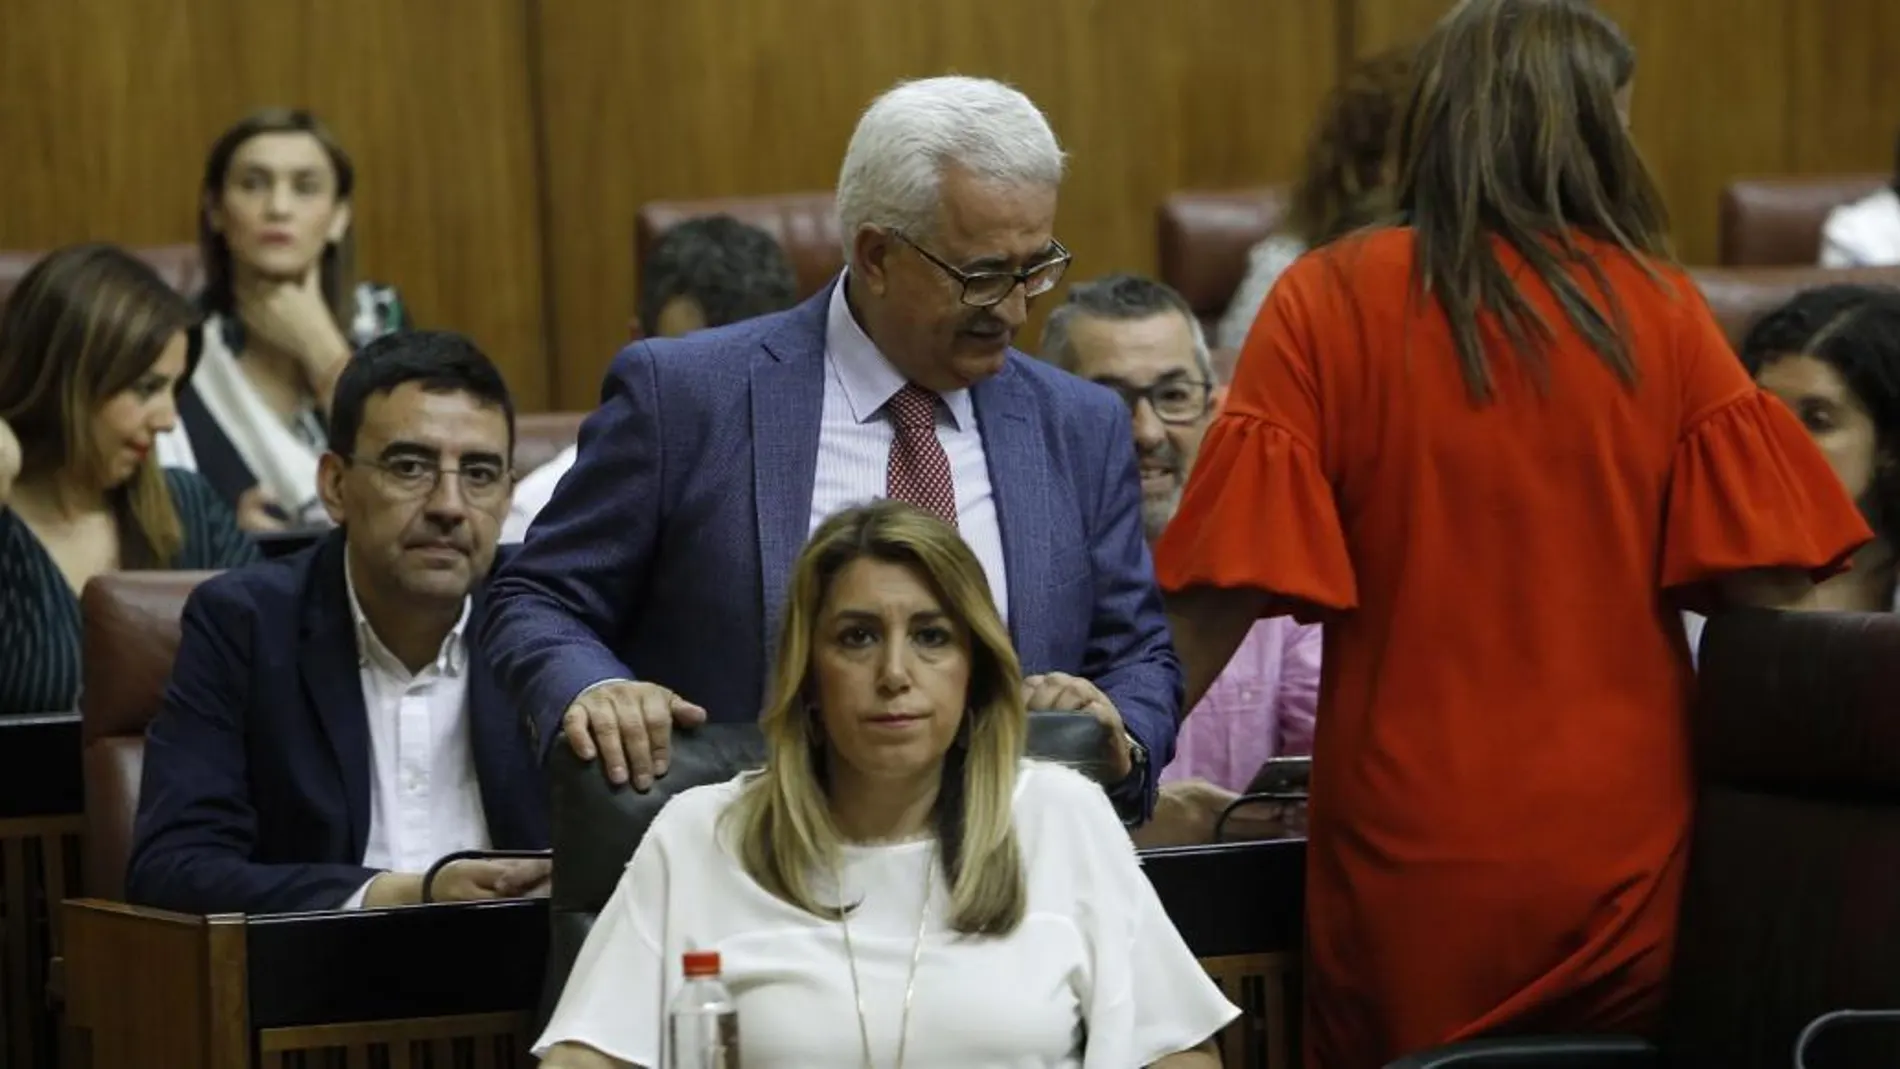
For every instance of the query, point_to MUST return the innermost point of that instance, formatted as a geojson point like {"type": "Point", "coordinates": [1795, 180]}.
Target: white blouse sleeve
{"type": "Point", "coordinates": [1150, 997]}
{"type": "Point", "coordinates": [614, 999]}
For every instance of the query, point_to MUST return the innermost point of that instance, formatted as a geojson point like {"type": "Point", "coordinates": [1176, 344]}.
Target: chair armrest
{"type": "Point", "coordinates": [1538, 1052]}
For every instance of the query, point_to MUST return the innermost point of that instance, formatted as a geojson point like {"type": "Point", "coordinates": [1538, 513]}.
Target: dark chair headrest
{"type": "Point", "coordinates": [597, 826]}
{"type": "Point", "coordinates": [1801, 704]}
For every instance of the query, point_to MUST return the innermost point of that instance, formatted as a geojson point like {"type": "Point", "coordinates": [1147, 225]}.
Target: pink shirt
{"type": "Point", "coordinates": [1261, 706]}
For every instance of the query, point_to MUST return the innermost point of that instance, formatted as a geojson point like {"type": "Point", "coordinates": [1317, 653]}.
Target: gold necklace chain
{"type": "Point", "coordinates": [916, 954]}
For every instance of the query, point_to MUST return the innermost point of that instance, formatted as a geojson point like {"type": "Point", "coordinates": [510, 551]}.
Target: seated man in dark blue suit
{"type": "Point", "coordinates": [331, 728]}
{"type": "Point", "coordinates": [649, 589]}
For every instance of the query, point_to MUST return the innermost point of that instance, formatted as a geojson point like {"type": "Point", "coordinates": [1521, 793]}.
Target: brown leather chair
{"type": "Point", "coordinates": [176, 264]}
{"type": "Point", "coordinates": [131, 638]}
{"type": "Point", "coordinates": [1772, 222]}
{"type": "Point", "coordinates": [1203, 238]}
{"type": "Point", "coordinates": [805, 225]}
{"type": "Point", "coordinates": [1740, 295]}
{"type": "Point", "coordinates": [539, 436]}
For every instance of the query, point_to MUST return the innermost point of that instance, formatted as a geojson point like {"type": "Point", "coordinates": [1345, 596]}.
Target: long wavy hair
{"type": "Point", "coordinates": [1512, 136]}
{"type": "Point", "coordinates": [1345, 180]}
{"type": "Point", "coordinates": [84, 325]}
{"type": "Point", "coordinates": [782, 827]}
{"type": "Point", "coordinates": [336, 272]}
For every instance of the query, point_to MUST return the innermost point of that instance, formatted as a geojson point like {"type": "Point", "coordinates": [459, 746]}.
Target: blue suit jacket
{"type": "Point", "coordinates": [666, 552]}
{"type": "Point", "coordinates": [255, 795]}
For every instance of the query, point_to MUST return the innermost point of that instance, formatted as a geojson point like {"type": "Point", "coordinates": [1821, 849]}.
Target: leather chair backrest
{"type": "Point", "coordinates": [1772, 222]}
{"type": "Point", "coordinates": [1792, 906]}
{"type": "Point", "coordinates": [539, 436]}
{"type": "Point", "coordinates": [1203, 238]}
{"type": "Point", "coordinates": [130, 640]}
{"type": "Point", "coordinates": [176, 264]}
{"type": "Point", "coordinates": [597, 826]}
{"type": "Point", "coordinates": [804, 224]}
{"type": "Point", "coordinates": [1740, 295]}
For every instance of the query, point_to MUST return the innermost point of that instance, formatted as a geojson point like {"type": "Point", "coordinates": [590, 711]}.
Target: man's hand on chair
{"type": "Point", "coordinates": [629, 726]}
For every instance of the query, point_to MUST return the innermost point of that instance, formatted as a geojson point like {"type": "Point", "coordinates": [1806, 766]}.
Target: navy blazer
{"type": "Point", "coordinates": [666, 552]}
{"type": "Point", "coordinates": [255, 794]}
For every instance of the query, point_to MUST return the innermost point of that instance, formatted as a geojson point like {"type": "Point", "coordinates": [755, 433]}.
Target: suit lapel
{"type": "Point", "coordinates": [788, 400]}
{"type": "Point", "coordinates": [1019, 480]}
{"type": "Point", "coordinates": [333, 681]}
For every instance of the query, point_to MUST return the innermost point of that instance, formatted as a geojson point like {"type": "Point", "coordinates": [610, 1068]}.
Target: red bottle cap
{"type": "Point", "coordinates": [701, 963]}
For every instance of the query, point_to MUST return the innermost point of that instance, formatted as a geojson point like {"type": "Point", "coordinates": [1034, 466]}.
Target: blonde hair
{"type": "Point", "coordinates": [83, 325]}
{"type": "Point", "coordinates": [781, 825]}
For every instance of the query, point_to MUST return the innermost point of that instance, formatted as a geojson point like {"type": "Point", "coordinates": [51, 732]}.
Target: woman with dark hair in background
{"type": "Point", "coordinates": [283, 314]}
{"type": "Point", "coordinates": [1345, 182]}
{"type": "Point", "coordinates": [1495, 447]}
{"type": "Point", "coordinates": [1833, 356]}
{"type": "Point", "coordinates": [92, 348]}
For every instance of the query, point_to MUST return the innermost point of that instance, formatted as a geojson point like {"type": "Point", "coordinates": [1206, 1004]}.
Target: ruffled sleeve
{"type": "Point", "coordinates": [1258, 511]}
{"type": "Point", "coordinates": [1749, 490]}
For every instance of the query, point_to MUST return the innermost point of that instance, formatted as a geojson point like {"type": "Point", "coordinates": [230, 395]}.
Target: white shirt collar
{"type": "Point", "coordinates": [868, 377]}
{"type": "Point", "coordinates": [450, 660]}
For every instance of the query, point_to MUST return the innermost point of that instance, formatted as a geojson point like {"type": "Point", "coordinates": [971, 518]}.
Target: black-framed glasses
{"type": "Point", "coordinates": [986, 289]}
{"type": "Point", "coordinates": [483, 481]}
{"type": "Point", "coordinates": [1175, 401]}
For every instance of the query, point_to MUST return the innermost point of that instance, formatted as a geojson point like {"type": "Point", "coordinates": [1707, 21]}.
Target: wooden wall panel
{"type": "Point", "coordinates": [108, 106]}
{"type": "Point", "coordinates": [504, 145]}
{"type": "Point", "coordinates": [1711, 101]}
{"type": "Point", "coordinates": [643, 101]}
{"type": "Point", "coordinates": [1844, 85]}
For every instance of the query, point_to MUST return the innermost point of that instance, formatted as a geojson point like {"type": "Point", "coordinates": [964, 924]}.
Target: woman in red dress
{"type": "Point", "coordinates": [1496, 449]}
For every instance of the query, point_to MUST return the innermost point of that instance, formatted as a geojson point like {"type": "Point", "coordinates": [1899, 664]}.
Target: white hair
{"type": "Point", "coordinates": [905, 139]}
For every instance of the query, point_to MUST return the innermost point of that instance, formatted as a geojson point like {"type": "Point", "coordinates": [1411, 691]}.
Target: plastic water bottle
{"type": "Point", "coordinates": [702, 1024]}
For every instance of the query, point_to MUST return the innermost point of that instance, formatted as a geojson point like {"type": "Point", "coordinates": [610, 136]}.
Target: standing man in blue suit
{"type": "Point", "coordinates": [651, 588]}
{"type": "Point", "coordinates": [331, 727]}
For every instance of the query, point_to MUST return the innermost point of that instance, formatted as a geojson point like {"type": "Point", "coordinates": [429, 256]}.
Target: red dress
{"type": "Point", "coordinates": [1502, 781]}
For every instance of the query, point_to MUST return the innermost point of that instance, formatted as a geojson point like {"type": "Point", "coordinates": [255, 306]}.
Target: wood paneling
{"type": "Point", "coordinates": [644, 101]}
{"type": "Point", "coordinates": [108, 106]}
{"type": "Point", "coordinates": [504, 145]}
{"type": "Point", "coordinates": [1843, 84]}
{"type": "Point", "coordinates": [1374, 25]}
{"type": "Point", "coordinates": [1711, 102]}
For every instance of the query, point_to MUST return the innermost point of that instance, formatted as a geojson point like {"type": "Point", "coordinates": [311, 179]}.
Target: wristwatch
{"type": "Point", "coordinates": [1137, 756]}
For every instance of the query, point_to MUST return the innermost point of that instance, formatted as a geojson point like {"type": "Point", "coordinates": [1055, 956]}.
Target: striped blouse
{"type": "Point", "coordinates": [39, 614]}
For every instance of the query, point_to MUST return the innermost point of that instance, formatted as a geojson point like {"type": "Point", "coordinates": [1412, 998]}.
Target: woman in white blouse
{"type": "Point", "coordinates": [898, 886]}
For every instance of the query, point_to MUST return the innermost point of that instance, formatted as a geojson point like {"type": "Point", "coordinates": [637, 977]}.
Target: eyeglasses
{"type": "Point", "coordinates": [986, 289]}
{"type": "Point", "coordinates": [1175, 401]}
{"type": "Point", "coordinates": [483, 481]}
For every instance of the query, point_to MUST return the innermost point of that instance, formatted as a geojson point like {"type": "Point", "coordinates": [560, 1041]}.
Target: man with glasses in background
{"type": "Point", "coordinates": [332, 727]}
{"type": "Point", "coordinates": [1139, 338]}
{"type": "Point", "coordinates": [651, 591]}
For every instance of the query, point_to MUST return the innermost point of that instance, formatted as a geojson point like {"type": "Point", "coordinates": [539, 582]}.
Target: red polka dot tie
{"type": "Point", "coordinates": [919, 469]}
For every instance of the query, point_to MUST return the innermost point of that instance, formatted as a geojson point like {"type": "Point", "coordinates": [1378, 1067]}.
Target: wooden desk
{"type": "Point", "coordinates": [425, 987]}
{"type": "Point", "coordinates": [41, 817]}
{"type": "Point", "coordinates": [1241, 909]}
{"type": "Point", "coordinates": [435, 987]}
